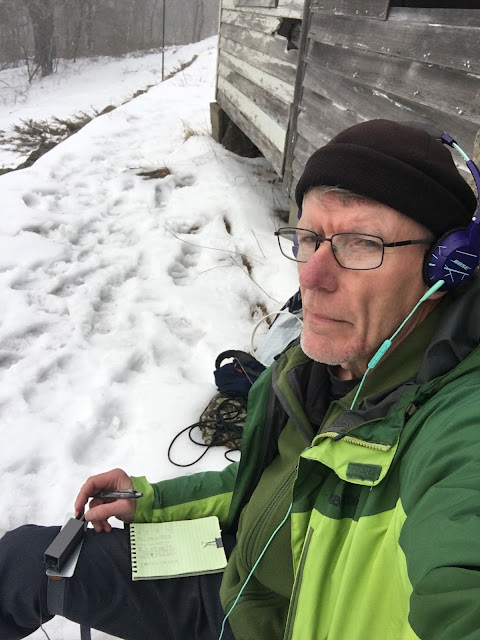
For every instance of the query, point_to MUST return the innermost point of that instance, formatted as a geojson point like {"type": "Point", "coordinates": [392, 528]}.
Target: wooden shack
{"type": "Point", "coordinates": [357, 60]}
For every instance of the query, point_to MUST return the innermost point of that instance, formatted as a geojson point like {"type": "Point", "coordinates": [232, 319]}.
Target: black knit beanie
{"type": "Point", "coordinates": [396, 165]}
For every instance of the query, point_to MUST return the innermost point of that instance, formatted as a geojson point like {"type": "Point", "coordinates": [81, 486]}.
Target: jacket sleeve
{"type": "Point", "coordinates": [441, 534]}
{"type": "Point", "coordinates": [188, 497]}
{"type": "Point", "coordinates": [210, 492]}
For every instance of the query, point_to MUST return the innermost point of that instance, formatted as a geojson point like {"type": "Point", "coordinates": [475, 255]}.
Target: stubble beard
{"type": "Point", "coordinates": [329, 358]}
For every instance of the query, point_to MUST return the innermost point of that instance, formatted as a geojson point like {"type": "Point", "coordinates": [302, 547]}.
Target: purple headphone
{"type": "Point", "coordinates": [455, 256]}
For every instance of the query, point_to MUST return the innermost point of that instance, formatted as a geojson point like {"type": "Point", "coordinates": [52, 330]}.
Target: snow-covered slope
{"type": "Point", "coordinates": [118, 291]}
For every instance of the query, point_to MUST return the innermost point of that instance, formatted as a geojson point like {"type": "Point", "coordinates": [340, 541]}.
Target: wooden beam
{"type": "Point", "coordinates": [299, 80]}
{"type": "Point", "coordinates": [218, 120]}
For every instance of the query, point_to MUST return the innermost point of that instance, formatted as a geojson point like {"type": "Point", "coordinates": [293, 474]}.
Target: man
{"type": "Point", "coordinates": [355, 504]}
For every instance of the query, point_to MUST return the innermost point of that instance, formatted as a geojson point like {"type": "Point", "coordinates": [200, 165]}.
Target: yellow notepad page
{"type": "Point", "coordinates": [181, 548]}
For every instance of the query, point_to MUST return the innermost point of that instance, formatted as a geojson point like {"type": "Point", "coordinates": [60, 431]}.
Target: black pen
{"type": "Point", "coordinates": [128, 494]}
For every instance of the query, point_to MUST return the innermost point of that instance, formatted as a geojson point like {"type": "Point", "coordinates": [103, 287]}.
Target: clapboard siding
{"type": "Point", "coordinates": [412, 65]}
{"type": "Point", "coordinates": [257, 3]}
{"type": "Point", "coordinates": [367, 8]}
{"type": "Point", "coordinates": [256, 72]}
{"type": "Point", "coordinates": [262, 121]}
{"type": "Point", "coordinates": [407, 79]}
{"type": "Point", "coordinates": [366, 103]}
{"type": "Point", "coordinates": [445, 45]}
{"type": "Point", "coordinates": [258, 41]}
{"type": "Point", "coordinates": [252, 21]}
{"type": "Point", "coordinates": [466, 18]}
{"type": "Point", "coordinates": [285, 71]}
{"type": "Point", "coordinates": [324, 116]}
{"type": "Point", "coordinates": [253, 130]}
{"type": "Point", "coordinates": [358, 60]}
{"type": "Point", "coordinates": [292, 9]}
{"type": "Point", "coordinates": [274, 108]}
{"type": "Point", "coordinates": [259, 75]}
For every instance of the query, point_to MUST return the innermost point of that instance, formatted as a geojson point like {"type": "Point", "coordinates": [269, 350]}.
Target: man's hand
{"type": "Point", "coordinates": [100, 509]}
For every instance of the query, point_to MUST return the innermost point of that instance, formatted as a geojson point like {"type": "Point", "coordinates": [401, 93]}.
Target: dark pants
{"type": "Point", "coordinates": [101, 594]}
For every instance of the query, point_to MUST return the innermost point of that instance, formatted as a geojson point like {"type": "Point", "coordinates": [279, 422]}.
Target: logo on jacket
{"type": "Point", "coordinates": [343, 501]}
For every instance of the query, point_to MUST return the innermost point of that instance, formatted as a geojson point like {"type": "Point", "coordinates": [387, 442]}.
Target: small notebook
{"type": "Point", "coordinates": [181, 548]}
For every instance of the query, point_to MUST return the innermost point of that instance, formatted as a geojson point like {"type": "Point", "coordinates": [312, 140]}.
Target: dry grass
{"type": "Point", "coordinates": [156, 174]}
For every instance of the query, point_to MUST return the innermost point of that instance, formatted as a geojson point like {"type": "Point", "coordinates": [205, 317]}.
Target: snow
{"type": "Point", "coordinates": [117, 291]}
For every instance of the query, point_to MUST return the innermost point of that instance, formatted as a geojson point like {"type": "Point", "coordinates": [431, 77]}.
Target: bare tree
{"type": "Point", "coordinates": [90, 8]}
{"type": "Point", "coordinates": [41, 14]}
{"type": "Point", "coordinates": [83, 30]}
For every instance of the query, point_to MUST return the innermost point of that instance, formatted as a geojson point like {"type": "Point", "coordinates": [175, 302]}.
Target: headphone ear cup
{"type": "Point", "coordinates": [430, 277]}
{"type": "Point", "coordinates": [453, 258]}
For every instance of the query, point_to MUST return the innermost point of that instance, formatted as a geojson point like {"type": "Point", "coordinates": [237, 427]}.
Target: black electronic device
{"type": "Point", "coordinates": [64, 544]}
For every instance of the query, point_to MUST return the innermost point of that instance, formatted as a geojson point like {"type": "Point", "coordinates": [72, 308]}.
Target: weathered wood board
{"type": "Point", "coordinates": [258, 41]}
{"type": "Point", "coordinates": [404, 81]}
{"type": "Point", "coordinates": [365, 8]}
{"type": "Point", "coordinates": [278, 68]}
{"type": "Point", "coordinates": [285, 9]}
{"type": "Point", "coordinates": [273, 131]}
{"type": "Point", "coordinates": [466, 18]}
{"type": "Point", "coordinates": [249, 127]}
{"type": "Point", "coordinates": [252, 21]}
{"type": "Point", "coordinates": [279, 89]}
{"type": "Point", "coordinates": [443, 45]}
{"type": "Point", "coordinates": [276, 109]}
{"type": "Point", "coordinates": [256, 3]}
{"type": "Point", "coordinates": [367, 103]}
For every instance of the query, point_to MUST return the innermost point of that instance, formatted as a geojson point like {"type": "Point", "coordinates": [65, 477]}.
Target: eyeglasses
{"type": "Point", "coordinates": [351, 250]}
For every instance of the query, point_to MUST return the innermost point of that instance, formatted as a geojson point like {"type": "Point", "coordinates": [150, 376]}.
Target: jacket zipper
{"type": "Point", "coordinates": [266, 438]}
{"type": "Point", "coordinates": [296, 589]}
{"type": "Point", "coordinates": [268, 510]}
{"type": "Point", "coordinates": [362, 443]}
{"type": "Point", "coordinates": [342, 404]}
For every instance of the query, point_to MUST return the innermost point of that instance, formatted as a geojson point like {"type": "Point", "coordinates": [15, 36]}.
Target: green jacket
{"type": "Point", "coordinates": [383, 538]}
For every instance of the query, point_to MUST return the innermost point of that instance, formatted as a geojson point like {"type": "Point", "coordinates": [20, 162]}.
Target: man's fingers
{"type": "Point", "coordinates": [92, 486]}
{"type": "Point", "coordinates": [99, 511]}
{"type": "Point", "coordinates": [111, 480]}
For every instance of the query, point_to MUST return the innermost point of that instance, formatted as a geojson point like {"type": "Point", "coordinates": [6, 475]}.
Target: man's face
{"type": "Point", "coordinates": [347, 313]}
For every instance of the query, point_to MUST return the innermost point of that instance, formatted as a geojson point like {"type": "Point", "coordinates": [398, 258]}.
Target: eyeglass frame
{"type": "Point", "coordinates": [319, 241]}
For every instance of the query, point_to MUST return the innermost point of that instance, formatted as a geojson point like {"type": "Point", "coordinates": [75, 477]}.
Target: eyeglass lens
{"type": "Point", "coordinates": [351, 250]}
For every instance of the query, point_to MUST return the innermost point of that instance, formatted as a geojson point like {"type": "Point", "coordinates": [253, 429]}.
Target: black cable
{"type": "Point", "coordinates": [225, 424]}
